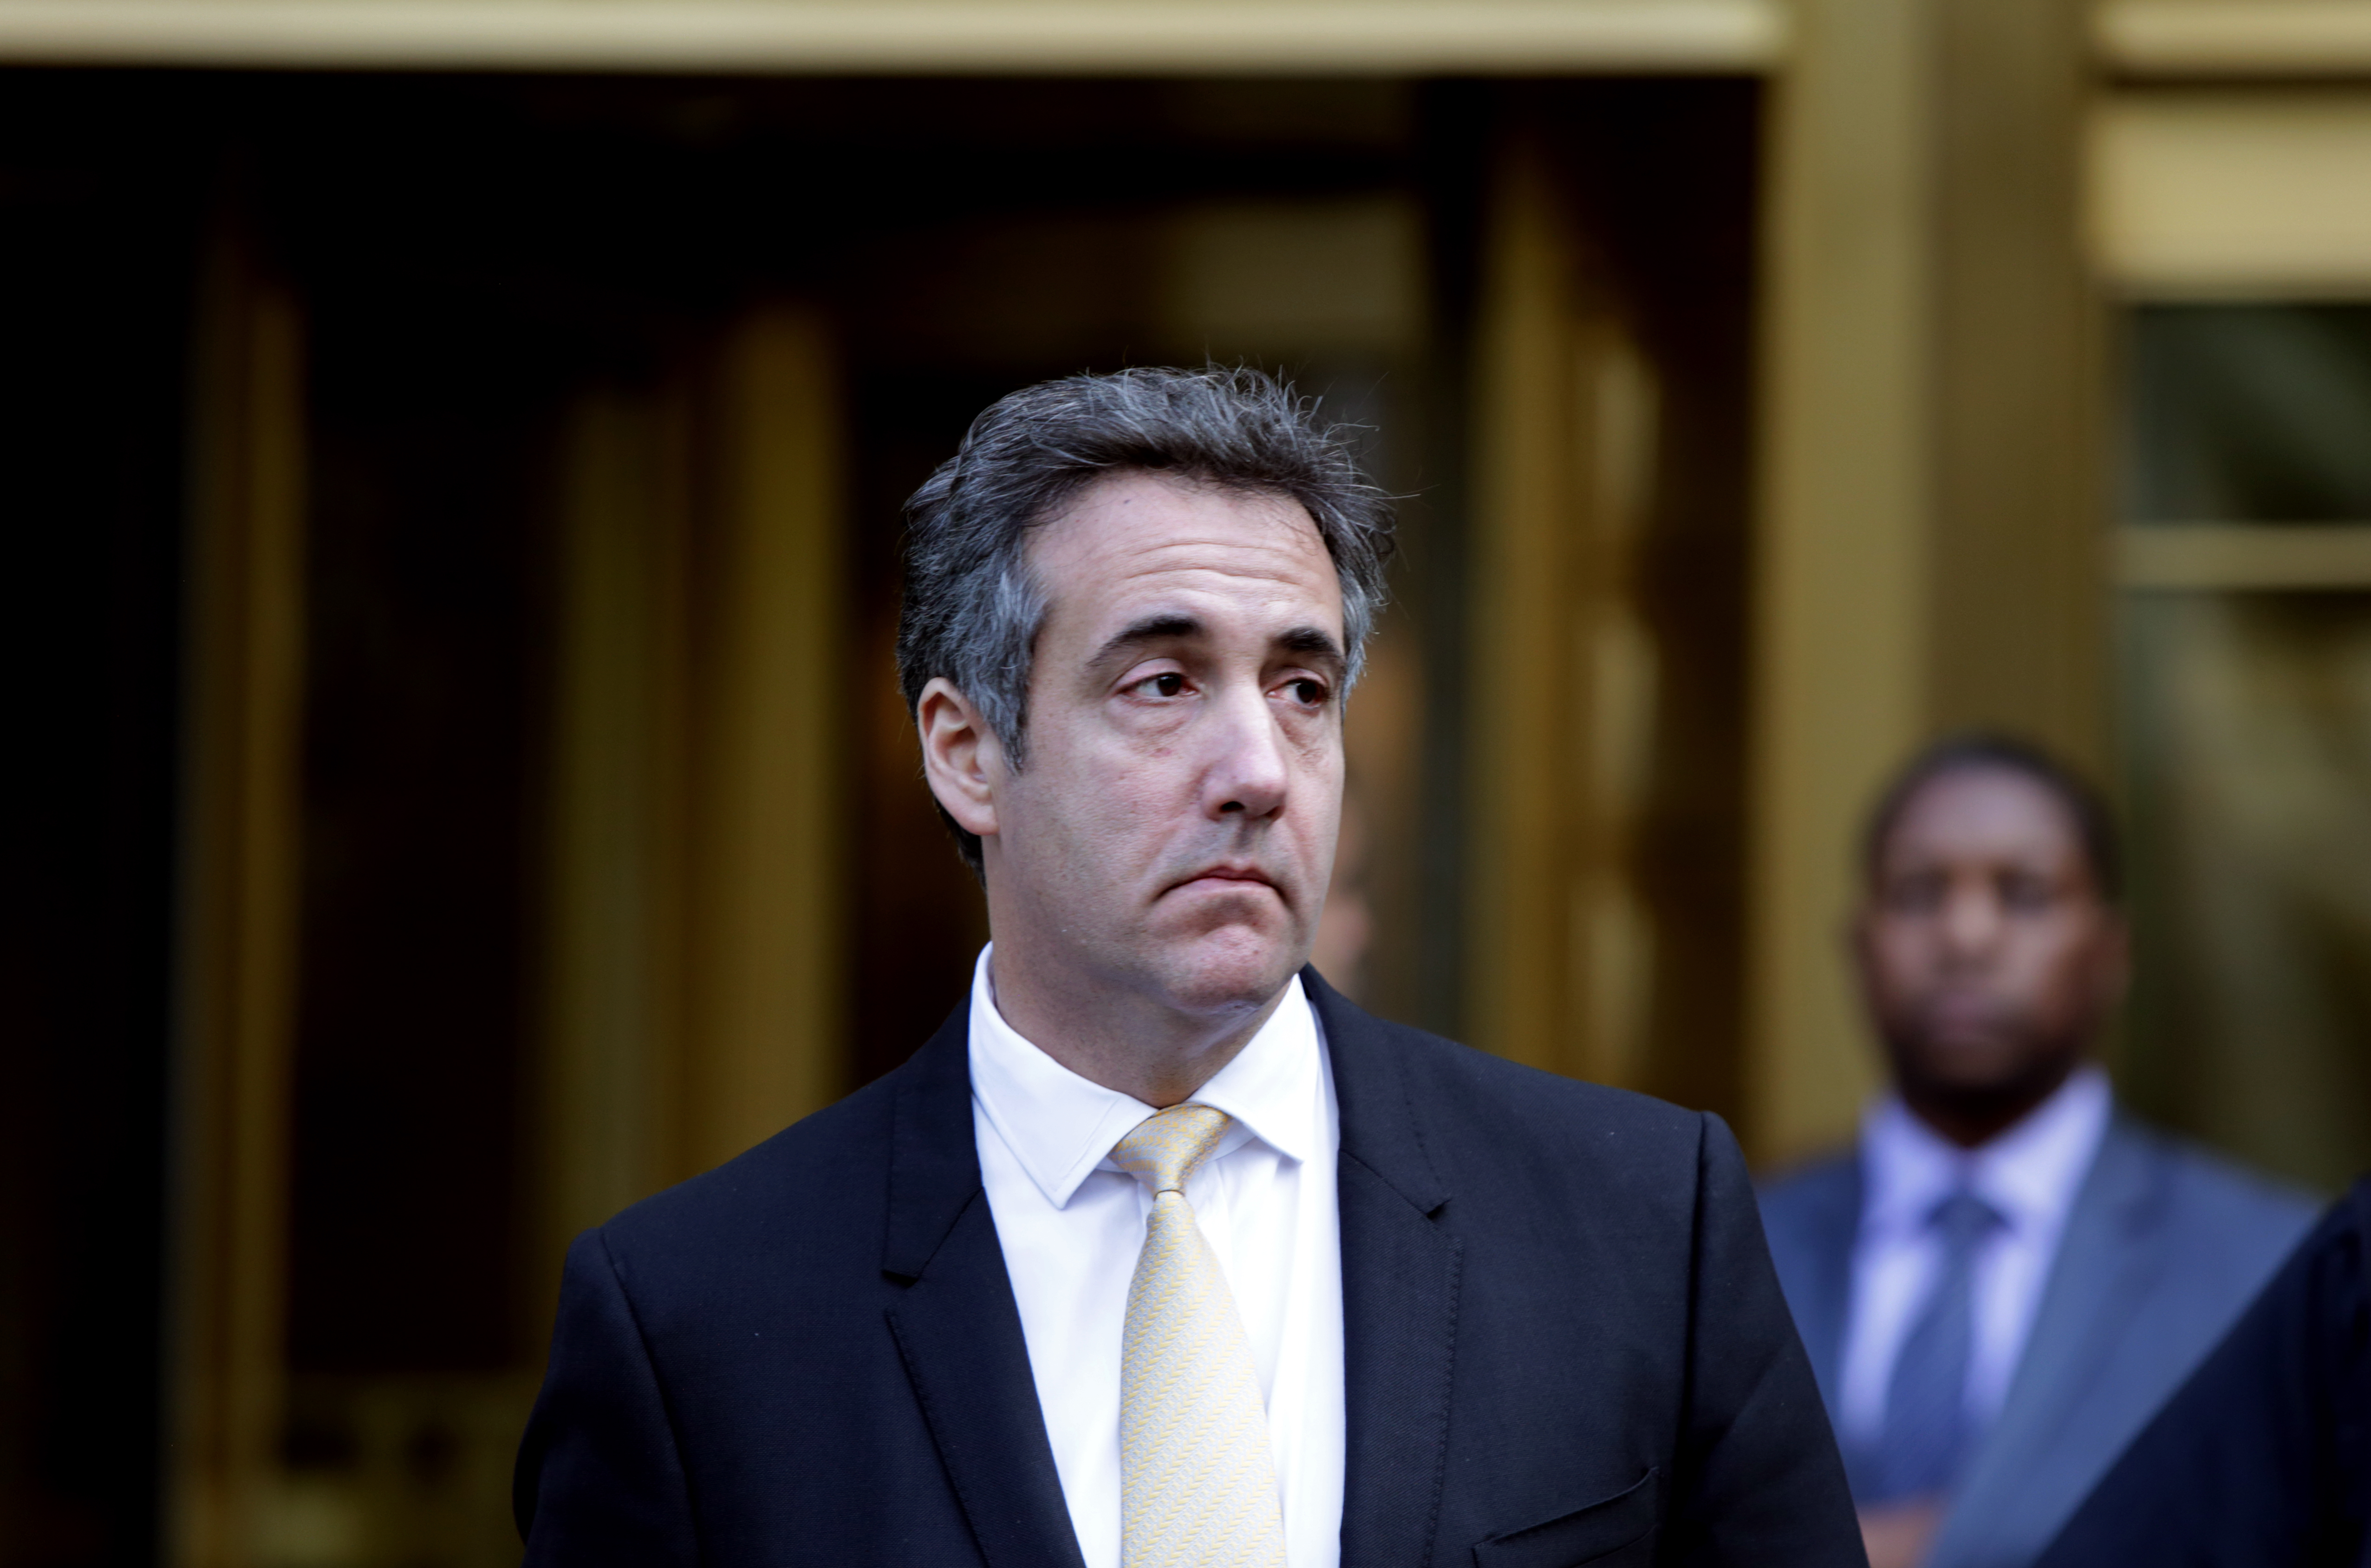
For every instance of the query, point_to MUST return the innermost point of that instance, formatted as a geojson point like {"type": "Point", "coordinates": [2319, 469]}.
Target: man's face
{"type": "Point", "coordinates": [1174, 829]}
{"type": "Point", "coordinates": [1987, 953]}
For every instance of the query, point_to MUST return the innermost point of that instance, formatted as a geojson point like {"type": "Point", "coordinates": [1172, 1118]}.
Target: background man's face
{"type": "Point", "coordinates": [1174, 829]}
{"type": "Point", "coordinates": [1987, 954]}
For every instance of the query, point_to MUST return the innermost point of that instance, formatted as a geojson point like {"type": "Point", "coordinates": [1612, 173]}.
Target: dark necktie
{"type": "Point", "coordinates": [1928, 1432]}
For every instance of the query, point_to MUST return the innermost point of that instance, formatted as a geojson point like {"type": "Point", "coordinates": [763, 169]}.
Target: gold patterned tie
{"type": "Point", "coordinates": [1198, 1479]}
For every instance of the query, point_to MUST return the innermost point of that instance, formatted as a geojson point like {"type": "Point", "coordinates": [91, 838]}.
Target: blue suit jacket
{"type": "Point", "coordinates": [1563, 1343]}
{"type": "Point", "coordinates": [2164, 1248]}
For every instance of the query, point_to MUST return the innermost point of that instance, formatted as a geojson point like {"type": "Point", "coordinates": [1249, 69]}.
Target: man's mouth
{"type": "Point", "coordinates": [1968, 1016]}
{"type": "Point", "coordinates": [1229, 874]}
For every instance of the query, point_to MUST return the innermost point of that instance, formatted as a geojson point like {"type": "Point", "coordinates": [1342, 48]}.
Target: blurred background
{"type": "Point", "coordinates": [453, 452]}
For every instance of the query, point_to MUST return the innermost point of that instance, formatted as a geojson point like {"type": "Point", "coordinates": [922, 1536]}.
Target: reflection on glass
{"type": "Point", "coordinates": [2248, 413]}
{"type": "Point", "coordinates": [2246, 723]}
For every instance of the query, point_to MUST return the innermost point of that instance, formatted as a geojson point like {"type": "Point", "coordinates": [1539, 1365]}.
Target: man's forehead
{"type": "Point", "coordinates": [1980, 809]}
{"type": "Point", "coordinates": [1131, 544]}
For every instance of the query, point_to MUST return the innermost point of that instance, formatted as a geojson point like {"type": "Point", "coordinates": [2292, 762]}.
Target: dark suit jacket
{"type": "Point", "coordinates": [2162, 1248]}
{"type": "Point", "coordinates": [2264, 1459]}
{"type": "Point", "coordinates": [1563, 1343]}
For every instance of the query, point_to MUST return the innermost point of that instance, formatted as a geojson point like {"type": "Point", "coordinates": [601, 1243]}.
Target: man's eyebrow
{"type": "Point", "coordinates": [1159, 626]}
{"type": "Point", "coordinates": [1310, 641]}
{"type": "Point", "coordinates": [1314, 640]}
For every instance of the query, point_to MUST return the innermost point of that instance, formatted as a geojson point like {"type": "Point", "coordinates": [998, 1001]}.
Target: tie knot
{"type": "Point", "coordinates": [1962, 1218]}
{"type": "Point", "coordinates": [1168, 1146]}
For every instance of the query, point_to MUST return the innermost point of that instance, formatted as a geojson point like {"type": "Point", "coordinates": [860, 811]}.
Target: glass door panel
{"type": "Point", "coordinates": [2246, 717]}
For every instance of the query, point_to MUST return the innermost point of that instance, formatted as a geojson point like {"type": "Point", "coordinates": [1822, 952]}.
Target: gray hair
{"type": "Point", "coordinates": [973, 604]}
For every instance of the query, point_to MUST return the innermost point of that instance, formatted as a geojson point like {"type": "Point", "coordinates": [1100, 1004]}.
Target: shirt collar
{"type": "Point", "coordinates": [2029, 1173]}
{"type": "Point", "coordinates": [1061, 1127]}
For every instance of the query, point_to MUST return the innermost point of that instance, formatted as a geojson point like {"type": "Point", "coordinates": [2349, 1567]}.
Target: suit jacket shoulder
{"type": "Point", "coordinates": [1477, 1111]}
{"type": "Point", "coordinates": [2163, 1249]}
{"type": "Point", "coordinates": [2221, 1204]}
{"type": "Point", "coordinates": [2264, 1455]}
{"type": "Point", "coordinates": [778, 1239]}
{"type": "Point", "coordinates": [1578, 1274]}
{"type": "Point", "coordinates": [807, 1175]}
{"type": "Point", "coordinates": [729, 1382]}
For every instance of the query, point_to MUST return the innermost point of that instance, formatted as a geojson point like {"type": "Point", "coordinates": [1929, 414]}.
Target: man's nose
{"type": "Point", "coordinates": [1971, 918]}
{"type": "Point", "coordinates": [1248, 772]}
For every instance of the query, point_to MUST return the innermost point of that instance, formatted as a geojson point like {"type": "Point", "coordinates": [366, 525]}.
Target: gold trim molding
{"type": "Point", "coordinates": [2233, 194]}
{"type": "Point", "coordinates": [2189, 557]}
{"type": "Point", "coordinates": [1127, 37]}
{"type": "Point", "coordinates": [2235, 38]}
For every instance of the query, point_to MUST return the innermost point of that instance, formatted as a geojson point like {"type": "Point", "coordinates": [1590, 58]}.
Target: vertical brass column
{"type": "Point", "coordinates": [1928, 552]}
{"type": "Point", "coordinates": [238, 915]}
{"type": "Point", "coordinates": [1840, 636]}
{"type": "Point", "coordinates": [2018, 587]}
{"type": "Point", "coordinates": [694, 999]}
{"type": "Point", "coordinates": [763, 964]}
{"type": "Point", "coordinates": [1520, 690]}
{"type": "Point", "coordinates": [610, 843]}
{"type": "Point", "coordinates": [1562, 691]}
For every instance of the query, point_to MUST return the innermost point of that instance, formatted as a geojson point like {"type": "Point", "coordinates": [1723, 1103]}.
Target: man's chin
{"type": "Point", "coordinates": [1977, 1065]}
{"type": "Point", "coordinates": [1230, 970]}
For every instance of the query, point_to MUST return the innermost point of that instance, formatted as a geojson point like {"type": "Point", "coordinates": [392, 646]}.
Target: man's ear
{"type": "Point", "coordinates": [961, 756]}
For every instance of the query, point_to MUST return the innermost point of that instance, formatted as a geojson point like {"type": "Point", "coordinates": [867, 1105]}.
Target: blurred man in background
{"type": "Point", "coordinates": [2008, 1276]}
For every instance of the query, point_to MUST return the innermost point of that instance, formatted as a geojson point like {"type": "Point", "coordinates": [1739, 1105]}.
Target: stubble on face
{"type": "Point", "coordinates": [1161, 862]}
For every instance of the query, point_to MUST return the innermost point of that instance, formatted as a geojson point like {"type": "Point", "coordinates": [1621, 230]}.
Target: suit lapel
{"type": "Point", "coordinates": [2043, 1452]}
{"type": "Point", "coordinates": [959, 1330]}
{"type": "Point", "coordinates": [957, 1325]}
{"type": "Point", "coordinates": [1400, 1281]}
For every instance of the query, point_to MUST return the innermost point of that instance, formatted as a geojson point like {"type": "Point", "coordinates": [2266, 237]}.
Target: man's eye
{"type": "Point", "coordinates": [1916, 895]}
{"type": "Point", "coordinates": [1166, 685]}
{"type": "Point", "coordinates": [2027, 894]}
{"type": "Point", "coordinates": [1306, 691]}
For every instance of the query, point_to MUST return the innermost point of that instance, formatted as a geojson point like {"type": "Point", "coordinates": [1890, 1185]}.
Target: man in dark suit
{"type": "Point", "coordinates": [2264, 1459]}
{"type": "Point", "coordinates": [1159, 1251]}
{"type": "Point", "coordinates": [2008, 1275]}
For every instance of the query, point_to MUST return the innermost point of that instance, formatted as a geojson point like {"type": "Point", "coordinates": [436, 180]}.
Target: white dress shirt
{"type": "Point", "coordinates": [2029, 1174]}
{"type": "Point", "coordinates": [1071, 1223]}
